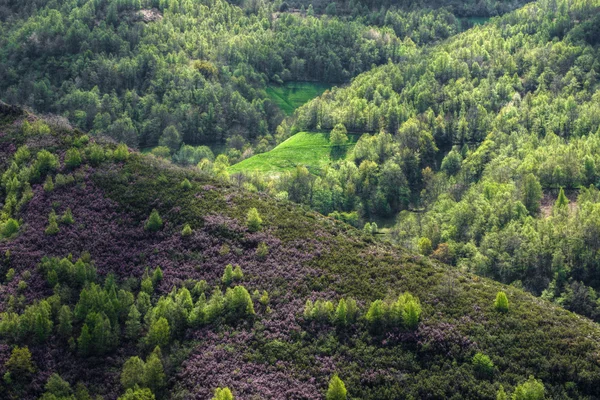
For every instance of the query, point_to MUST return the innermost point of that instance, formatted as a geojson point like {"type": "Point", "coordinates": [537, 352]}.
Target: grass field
{"type": "Point", "coordinates": [292, 95]}
{"type": "Point", "coordinates": [311, 149]}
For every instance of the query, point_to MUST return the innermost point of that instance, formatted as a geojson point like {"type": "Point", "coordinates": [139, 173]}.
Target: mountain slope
{"type": "Point", "coordinates": [276, 353]}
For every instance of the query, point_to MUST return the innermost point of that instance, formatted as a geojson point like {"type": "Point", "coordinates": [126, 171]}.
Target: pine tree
{"type": "Point", "coordinates": [561, 201]}
{"type": "Point", "coordinates": [186, 231]}
{"type": "Point", "coordinates": [154, 375]}
{"type": "Point", "coordinates": [121, 153]}
{"type": "Point", "coordinates": [501, 303]}
{"type": "Point", "coordinates": [253, 220]}
{"type": "Point", "coordinates": [57, 388]}
{"type": "Point", "coordinates": [532, 389]}
{"type": "Point", "coordinates": [341, 314]}
{"type": "Point", "coordinates": [154, 222]}
{"type": "Point", "coordinates": [133, 326]}
{"type": "Point", "coordinates": [337, 389]}
{"type": "Point", "coordinates": [157, 276]}
{"type": "Point", "coordinates": [411, 314]}
{"type": "Point", "coordinates": [484, 367]}
{"type": "Point", "coordinates": [223, 394]}
{"type": "Point", "coordinates": [501, 394]}
{"type": "Point", "coordinates": [147, 286]}
{"type": "Point", "coordinates": [376, 314]}
{"type": "Point", "coordinates": [133, 373]}
{"type": "Point", "coordinates": [65, 322]}
{"type": "Point", "coordinates": [159, 333]}
{"type": "Point", "coordinates": [19, 364]}
{"type": "Point", "coordinates": [67, 217]}
{"type": "Point", "coordinates": [237, 275]}
{"type": "Point", "coordinates": [227, 278]}
{"type": "Point", "coordinates": [52, 228]}
{"type": "Point", "coordinates": [532, 193]}
{"type": "Point", "coordinates": [186, 184]}
{"type": "Point", "coordinates": [138, 394]}
{"type": "Point", "coordinates": [84, 343]}
{"type": "Point", "coordinates": [48, 184]}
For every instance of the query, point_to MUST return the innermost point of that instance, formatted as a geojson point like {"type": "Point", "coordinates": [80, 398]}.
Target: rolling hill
{"type": "Point", "coordinates": [107, 254]}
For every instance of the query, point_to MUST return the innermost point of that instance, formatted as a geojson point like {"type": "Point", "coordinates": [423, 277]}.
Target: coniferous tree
{"type": "Point", "coordinates": [501, 394]}
{"type": "Point", "coordinates": [227, 278]}
{"type": "Point", "coordinates": [336, 389]}
{"type": "Point", "coordinates": [411, 314]}
{"type": "Point", "coordinates": [52, 228]}
{"type": "Point", "coordinates": [65, 322]}
{"type": "Point", "coordinates": [561, 201]}
{"type": "Point", "coordinates": [19, 364]}
{"type": "Point", "coordinates": [155, 222]}
{"type": "Point", "coordinates": [67, 217]}
{"type": "Point", "coordinates": [501, 302]}
{"type": "Point", "coordinates": [341, 314]}
{"type": "Point", "coordinates": [223, 394]}
{"type": "Point", "coordinates": [532, 389]}
{"type": "Point", "coordinates": [237, 275]}
{"type": "Point", "coordinates": [376, 315]}
{"type": "Point", "coordinates": [154, 375]}
{"type": "Point", "coordinates": [133, 326]}
{"type": "Point", "coordinates": [84, 342]}
{"type": "Point", "coordinates": [159, 333]}
{"type": "Point", "coordinates": [157, 276]}
{"type": "Point", "coordinates": [138, 394]}
{"type": "Point", "coordinates": [187, 230]}
{"type": "Point", "coordinates": [253, 220]}
{"type": "Point", "coordinates": [133, 373]}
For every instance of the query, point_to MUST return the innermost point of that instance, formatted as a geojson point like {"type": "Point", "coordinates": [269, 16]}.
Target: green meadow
{"type": "Point", "coordinates": [292, 95]}
{"type": "Point", "coordinates": [311, 149]}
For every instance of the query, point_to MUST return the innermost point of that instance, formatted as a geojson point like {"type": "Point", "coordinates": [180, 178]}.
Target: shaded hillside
{"type": "Point", "coordinates": [277, 351]}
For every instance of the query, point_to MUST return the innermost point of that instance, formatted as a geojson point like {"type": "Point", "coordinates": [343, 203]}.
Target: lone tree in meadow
{"type": "Point", "coordinates": [501, 303]}
{"type": "Point", "coordinates": [253, 220]}
{"type": "Point", "coordinates": [338, 136]}
{"type": "Point", "coordinates": [154, 222]}
{"type": "Point", "coordinates": [337, 389]}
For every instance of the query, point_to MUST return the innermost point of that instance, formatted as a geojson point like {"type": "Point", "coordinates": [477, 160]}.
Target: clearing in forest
{"type": "Point", "coordinates": [310, 149]}
{"type": "Point", "coordinates": [292, 95]}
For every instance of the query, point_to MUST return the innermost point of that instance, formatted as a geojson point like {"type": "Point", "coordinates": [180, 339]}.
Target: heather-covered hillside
{"type": "Point", "coordinates": [114, 276]}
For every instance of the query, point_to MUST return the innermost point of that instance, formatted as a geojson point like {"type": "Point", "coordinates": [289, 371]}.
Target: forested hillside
{"type": "Point", "coordinates": [123, 275]}
{"type": "Point", "coordinates": [473, 141]}
{"type": "Point", "coordinates": [192, 196]}
{"type": "Point", "coordinates": [150, 72]}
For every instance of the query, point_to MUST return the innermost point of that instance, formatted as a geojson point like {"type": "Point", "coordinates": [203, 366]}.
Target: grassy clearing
{"type": "Point", "coordinates": [292, 95]}
{"type": "Point", "coordinates": [311, 149]}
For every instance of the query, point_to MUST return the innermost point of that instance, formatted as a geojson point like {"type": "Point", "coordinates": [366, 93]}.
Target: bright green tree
{"type": "Point", "coordinates": [501, 302]}
{"type": "Point", "coordinates": [532, 389]}
{"type": "Point", "coordinates": [483, 365]}
{"type": "Point", "coordinates": [159, 333]}
{"type": "Point", "coordinates": [223, 394]}
{"type": "Point", "coordinates": [340, 317]}
{"type": "Point", "coordinates": [52, 228]}
{"type": "Point", "coordinates": [133, 372]}
{"type": "Point", "coordinates": [154, 222]}
{"type": "Point", "coordinates": [154, 374]}
{"type": "Point", "coordinates": [138, 394]}
{"type": "Point", "coordinates": [338, 136]}
{"type": "Point", "coordinates": [253, 220]}
{"type": "Point", "coordinates": [336, 389]}
{"type": "Point", "coordinates": [19, 364]}
{"type": "Point", "coordinates": [133, 326]}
